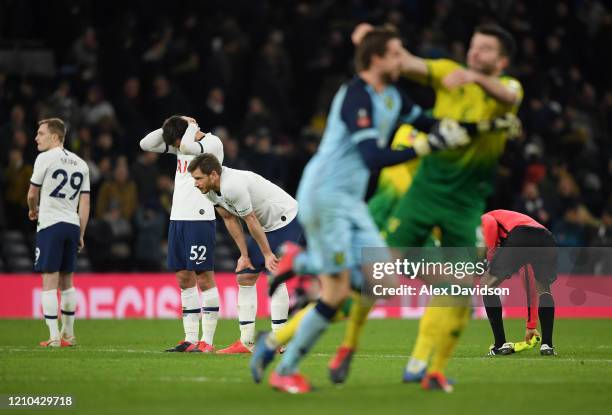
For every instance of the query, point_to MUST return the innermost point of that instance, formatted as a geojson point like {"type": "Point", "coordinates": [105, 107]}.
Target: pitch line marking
{"type": "Point", "coordinates": [363, 356]}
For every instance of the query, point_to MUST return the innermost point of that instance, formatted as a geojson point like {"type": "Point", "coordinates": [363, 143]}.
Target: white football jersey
{"type": "Point", "coordinates": [243, 192]}
{"type": "Point", "coordinates": [62, 177]}
{"type": "Point", "coordinates": [188, 203]}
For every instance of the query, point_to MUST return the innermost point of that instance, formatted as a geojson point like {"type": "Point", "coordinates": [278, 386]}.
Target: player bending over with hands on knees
{"type": "Point", "coordinates": [270, 215]}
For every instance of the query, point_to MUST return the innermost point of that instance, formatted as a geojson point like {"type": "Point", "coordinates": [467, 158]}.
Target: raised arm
{"type": "Point", "coordinates": [207, 143]}
{"type": "Point", "coordinates": [189, 145]}
{"type": "Point", "coordinates": [412, 66]}
{"type": "Point", "coordinates": [154, 142]}
{"type": "Point", "coordinates": [503, 93]}
{"type": "Point", "coordinates": [509, 94]}
{"type": "Point", "coordinates": [506, 93]}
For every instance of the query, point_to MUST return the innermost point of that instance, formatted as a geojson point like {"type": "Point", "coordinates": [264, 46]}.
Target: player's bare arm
{"type": "Point", "coordinates": [257, 232]}
{"type": "Point", "coordinates": [33, 199]}
{"type": "Point", "coordinates": [490, 84]}
{"type": "Point", "coordinates": [234, 227]}
{"type": "Point", "coordinates": [412, 65]}
{"type": "Point", "coordinates": [360, 31]}
{"type": "Point", "coordinates": [84, 207]}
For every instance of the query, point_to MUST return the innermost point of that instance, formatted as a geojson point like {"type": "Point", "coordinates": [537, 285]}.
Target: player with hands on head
{"type": "Point", "coordinates": [191, 233]}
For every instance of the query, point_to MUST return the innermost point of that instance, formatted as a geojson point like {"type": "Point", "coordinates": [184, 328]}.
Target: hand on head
{"type": "Point", "coordinates": [360, 31]}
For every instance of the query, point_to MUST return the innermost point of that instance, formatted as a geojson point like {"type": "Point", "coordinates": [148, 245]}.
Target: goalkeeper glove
{"type": "Point", "coordinates": [525, 345]}
{"type": "Point", "coordinates": [508, 122]}
{"type": "Point", "coordinates": [445, 134]}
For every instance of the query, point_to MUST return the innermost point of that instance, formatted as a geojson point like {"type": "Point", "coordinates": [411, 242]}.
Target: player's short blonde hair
{"type": "Point", "coordinates": [55, 126]}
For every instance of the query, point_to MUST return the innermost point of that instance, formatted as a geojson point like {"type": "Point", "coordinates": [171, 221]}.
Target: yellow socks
{"type": "Point", "coordinates": [358, 316]}
{"type": "Point", "coordinates": [428, 329]}
{"type": "Point", "coordinates": [355, 307]}
{"type": "Point", "coordinates": [451, 326]}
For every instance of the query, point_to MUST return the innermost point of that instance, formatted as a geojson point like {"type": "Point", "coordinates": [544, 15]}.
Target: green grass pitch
{"type": "Point", "coordinates": [118, 368]}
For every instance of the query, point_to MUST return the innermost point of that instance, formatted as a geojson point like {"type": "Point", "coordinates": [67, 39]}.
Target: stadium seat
{"type": "Point", "coordinates": [223, 238]}
{"type": "Point", "coordinates": [83, 264]}
{"type": "Point", "coordinates": [15, 249]}
{"type": "Point", "coordinates": [223, 251]}
{"type": "Point", "coordinates": [12, 237]}
{"type": "Point", "coordinates": [225, 257]}
{"type": "Point", "coordinates": [226, 264]}
{"type": "Point", "coordinates": [20, 264]}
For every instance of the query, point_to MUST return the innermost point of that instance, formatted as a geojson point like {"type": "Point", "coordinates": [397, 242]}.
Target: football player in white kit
{"type": "Point", "coordinates": [270, 215]}
{"type": "Point", "coordinates": [191, 235]}
{"type": "Point", "coordinates": [60, 183]}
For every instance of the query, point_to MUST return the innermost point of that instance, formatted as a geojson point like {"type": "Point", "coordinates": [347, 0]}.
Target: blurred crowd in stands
{"type": "Point", "coordinates": [261, 75]}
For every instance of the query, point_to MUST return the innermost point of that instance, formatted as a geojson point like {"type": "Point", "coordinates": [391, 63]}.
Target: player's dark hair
{"type": "Point", "coordinates": [207, 163]}
{"type": "Point", "coordinates": [506, 40]}
{"type": "Point", "coordinates": [374, 43]}
{"type": "Point", "coordinates": [55, 126]}
{"type": "Point", "coordinates": [173, 129]}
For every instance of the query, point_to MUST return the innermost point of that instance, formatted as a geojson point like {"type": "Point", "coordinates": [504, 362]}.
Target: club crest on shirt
{"type": "Point", "coordinates": [363, 119]}
{"type": "Point", "coordinates": [339, 258]}
{"type": "Point", "coordinates": [389, 103]}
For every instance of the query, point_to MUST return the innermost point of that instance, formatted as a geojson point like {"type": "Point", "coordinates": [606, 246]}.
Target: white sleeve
{"type": "Point", "coordinates": [210, 144]}
{"type": "Point", "coordinates": [85, 188]}
{"type": "Point", "coordinates": [239, 197]}
{"type": "Point", "coordinates": [154, 142]}
{"type": "Point", "coordinates": [213, 145]}
{"type": "Point", "coordinates": [188, 144]}
{"type": "Point", "coordinates": [40, 169]}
